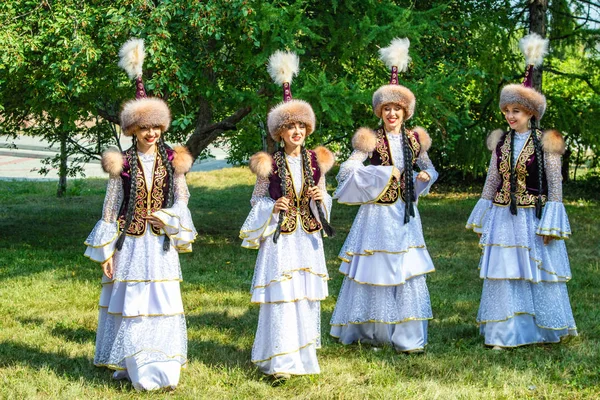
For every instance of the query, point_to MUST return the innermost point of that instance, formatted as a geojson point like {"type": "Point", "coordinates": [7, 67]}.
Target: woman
{"type": "Point", "coordinates": [290, 207]}
{"type": "Point", "coordinates": [384, 296]}
{"type": "Point", "coordinates": [145, 224]}
{"type": "Point", "coordinates": [521, 221]}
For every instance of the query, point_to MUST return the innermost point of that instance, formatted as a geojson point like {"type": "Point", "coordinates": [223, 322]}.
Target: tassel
{"type": "Point", "coordinates": [513, 204]}
{"type": "Point", "coordinates": [166, 243]}
{"type": "Point", "coordinates": [120, 241]}
{"type": "Point", "coordinates": [538, 207]}
{"type": "Point", "coordinates": [328, 229]}
{"type": "Point", "coordinates": [278, 230]}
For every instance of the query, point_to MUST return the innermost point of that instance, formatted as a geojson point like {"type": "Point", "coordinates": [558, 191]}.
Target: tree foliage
{"type": "Point", "coordinates": [58, 69]}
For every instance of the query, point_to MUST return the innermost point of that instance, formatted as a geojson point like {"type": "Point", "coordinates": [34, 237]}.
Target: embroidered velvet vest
{"type": "Point", "coordinates": [146, 202]}
{"type": "Point", "coordinates": [383, 156]}
{"type": "Point", "coordinates": [299, 210]}
{"type": "Point", "coordinates": [526, 169]}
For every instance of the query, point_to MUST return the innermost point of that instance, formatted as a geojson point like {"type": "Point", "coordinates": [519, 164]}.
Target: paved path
{"type": "Point", "coordinates": [22, 159]}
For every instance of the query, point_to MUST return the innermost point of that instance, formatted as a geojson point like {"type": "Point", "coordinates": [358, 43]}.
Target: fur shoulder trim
{"type": "Point", "coordinates": [182, 160]}
{"type": "Point", "coordinates": [364, 139]}
{"type": "Point", "coordinates": [494, 138]}
{"type": "Point", "coordinates": [112, 161]}
{"type": "Point", "coordinates": [261, 164]}
{"type": "Point", "coordinates": [553, 142]}
{"type": "Point", "coordinates": [325, 158]}
{"type": "Point", "coordinates": [424, 138]}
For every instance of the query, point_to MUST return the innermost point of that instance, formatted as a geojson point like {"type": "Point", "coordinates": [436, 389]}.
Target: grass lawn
{"type": "Point", "coordinates": [49, 292]}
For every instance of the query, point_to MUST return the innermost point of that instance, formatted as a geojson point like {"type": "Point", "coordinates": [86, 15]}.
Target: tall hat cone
{"type": "Point", "coordinates": [144, 111]}
{"type": "Point", "coordinates": [282, 68]}
{"type": "Point", "coordinates": [534, 48]}
{"type": "Point", "coordinates": [395, 56]}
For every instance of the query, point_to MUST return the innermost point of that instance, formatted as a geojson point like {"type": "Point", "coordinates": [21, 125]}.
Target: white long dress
{"type": "Point", "coordinates": [290, 280]}
{"type": "Point", "coordinates": [524, 298]}
{"type": "Point", "coordinates": [384, 296]}
{"type": "Point", "coordinates": [141, 325]}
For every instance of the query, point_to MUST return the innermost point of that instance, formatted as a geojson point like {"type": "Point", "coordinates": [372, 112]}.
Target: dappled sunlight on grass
{"type": "Point", "coordinates": [49, 294]}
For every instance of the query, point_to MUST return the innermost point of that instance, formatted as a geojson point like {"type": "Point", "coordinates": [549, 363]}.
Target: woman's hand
{"type": "Point", "coordinates": [155, 222]}
{"type": "Point", "coordinates": [547, 239]}
{"type": "Point", "coordinates": [282, 204]}
{"type": "Point", "coordinates": [396, 173]}
{"type": "Point", "coordinates": [315, 193]}
{"type": "Point", "coordinates": [423, 176]}
{"type": "Point", "coordinates": [107, 268]}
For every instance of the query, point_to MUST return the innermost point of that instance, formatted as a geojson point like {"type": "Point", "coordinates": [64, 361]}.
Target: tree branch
{"type": "Point", "coordinates": [204, 135]}
{"type": "Point", "coordinates": [584, 78]}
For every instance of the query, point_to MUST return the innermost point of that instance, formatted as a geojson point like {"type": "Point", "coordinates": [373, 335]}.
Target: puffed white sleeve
{"type": "Point", "coordinates": [359, 184]}
{"type": "Point", "coordinates": [261, 222]}
{"type": "Point", "coordinates": [480, 213]}
{"type": "Point", "coordinates": [554, 220]}
{"type": "Point", "coordinates": [101, 242]}
{"type": "Point", "coordinates": [425, 164]}
{"type": "Point", "coordinates": [178, 219]}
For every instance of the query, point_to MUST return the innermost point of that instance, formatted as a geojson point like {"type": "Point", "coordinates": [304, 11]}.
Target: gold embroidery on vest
{"type": "Point", "coordinates": [146, 202]}
{"type": "Point", "coordinates": [502, 196]}
{"type": "Point", "coordinates": [396, 188]}
{"type": "Point", "coordinates": [299, 207]}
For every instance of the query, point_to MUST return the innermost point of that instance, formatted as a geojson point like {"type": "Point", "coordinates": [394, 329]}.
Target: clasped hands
{"type": "Point", "coordinates": [422, 176]}
{"type": "Point", "coordinates": [283, 203]}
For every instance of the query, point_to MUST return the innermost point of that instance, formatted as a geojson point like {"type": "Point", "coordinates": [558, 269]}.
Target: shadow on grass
{"type": "Point", "coordinates": [72, 368]}
{"type": "Point", "coordinates": [76, 335]}
{"type": "Point", "coordinates": [218, 354]}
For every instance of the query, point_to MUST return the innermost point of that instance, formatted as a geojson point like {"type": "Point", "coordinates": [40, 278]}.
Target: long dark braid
{"type": "Point", "coordinates": [308, 178]}
{"type": "Point", "coordinates": [133, 165]}
{"type": "Point", "coordinates": [409, 188]}
{"type": "Point", "coordinates": [162, 151]}
{"type": "Point", "coordinates": [539, 157]}
{"type": "Point", "coordinates": [513, 175]}
{"type": "Point", "coordinates": [282, 172]}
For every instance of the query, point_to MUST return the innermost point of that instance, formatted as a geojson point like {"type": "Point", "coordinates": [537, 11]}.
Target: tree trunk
{"type": "Point", "coordinates": [537, 24]}
{"type": "Point", "coordinates": [564, 170]}
{"type": "Point", "coordinates": [204, 134]}
{"type": "Point", "coordinates": [62, 171]}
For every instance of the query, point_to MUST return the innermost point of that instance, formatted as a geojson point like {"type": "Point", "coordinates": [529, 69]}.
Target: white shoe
{"type": "Point", "coordinates": [121, 374]}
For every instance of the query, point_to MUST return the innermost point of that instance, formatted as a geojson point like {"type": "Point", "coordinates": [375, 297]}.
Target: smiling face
{"type": "Point", "coordinates": [147, 138]}
{"type": "Point", "coordinates": [293, 134]}
{"type": "Point", "coordinates": [517, 117]}
{"type": "Point", "coordinates": [392, 115]}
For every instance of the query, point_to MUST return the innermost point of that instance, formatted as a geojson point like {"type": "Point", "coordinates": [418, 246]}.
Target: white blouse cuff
{"type": "Point", "coordinates": [554, 221]}
{"type": "Point", "coordinates": [178, 226]}
{"type": "Point", "coordinates": [260, 223]}
{"type": "Point", "coordinates": [478, 216]}
{"type": "Point", "coordinates": [101, 242]}
{"type": "Point", "coordinates": [365, 185]}
{"type": "Point", "coordinates": [422, 188]}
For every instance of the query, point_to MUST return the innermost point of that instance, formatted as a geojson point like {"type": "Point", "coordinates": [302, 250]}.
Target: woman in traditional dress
{"type": "Point", "coordinates": [384, 296]}
{"type": "Point", "coordinates": [145, 224]}
{"type": "Point", "coordinates": [522, 222]}
{"type": "Point", "coordinates": [290, 208]}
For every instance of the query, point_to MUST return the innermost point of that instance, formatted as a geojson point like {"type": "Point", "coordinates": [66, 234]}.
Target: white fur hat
{"type": "Point", "coordinates": [534, 49]}
{"type": "Point", "coordinates": [396, 57]}
{"type": "Point", "coordinates": [283, 66]}
{"type": "Point", "coordinates": [143, 112]}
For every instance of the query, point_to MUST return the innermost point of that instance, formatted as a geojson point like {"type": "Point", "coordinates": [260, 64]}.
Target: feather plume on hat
{"type": "Point", "coordinates": [132, 55]}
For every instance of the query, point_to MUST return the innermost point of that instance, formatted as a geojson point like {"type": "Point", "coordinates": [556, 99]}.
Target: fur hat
{"type": "Point", "coordinates": [283, 66]}
{"type": "Point", "coordinates": [395, 57]}
{"type": "Point", "coordinates": [534, 49]}
{"type": "Point", "coordinates": [143, 112]}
